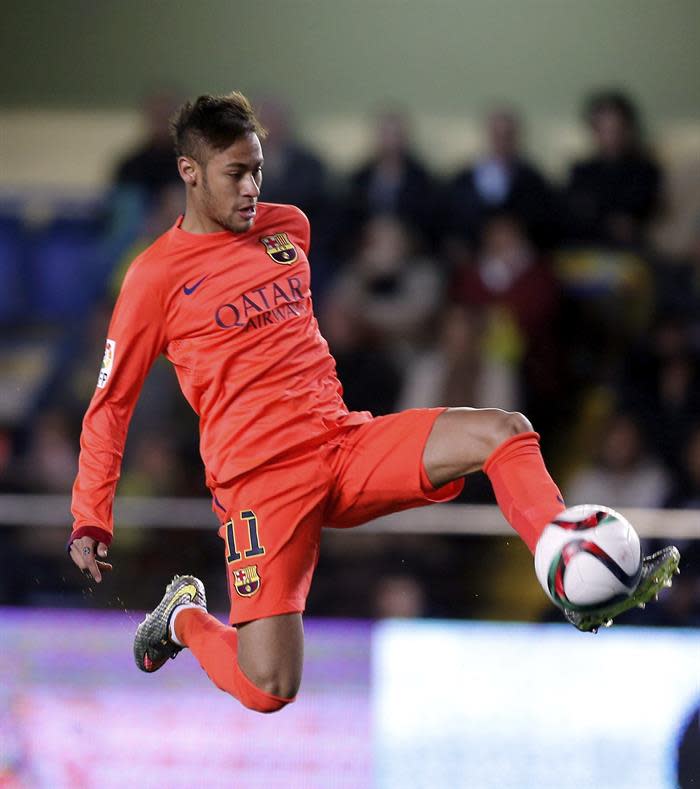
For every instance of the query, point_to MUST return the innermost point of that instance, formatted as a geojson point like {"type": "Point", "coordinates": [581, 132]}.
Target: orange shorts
{"type": "Point", "coordinates": [272, 517]}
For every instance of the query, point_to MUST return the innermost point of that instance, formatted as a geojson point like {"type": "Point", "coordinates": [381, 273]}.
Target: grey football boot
{"type": "Point", "coordinates": [152, 643]}
{"type": "Point", "coordinates": [657, 573]}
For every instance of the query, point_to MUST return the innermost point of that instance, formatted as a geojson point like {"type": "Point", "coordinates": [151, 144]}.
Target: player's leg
{"type": "Point", "coordinates": [503, 444]}
{"type": "Point", "coordinates": [271, 653]}
{"type": "Point", "coordinates": [461, 439]}
{"type": "Point", "coordinates": [271, 537]}
{"type": "Point", "coordinates": [420, 456]}
{"type": "Point", "coordinates": [259, 663]}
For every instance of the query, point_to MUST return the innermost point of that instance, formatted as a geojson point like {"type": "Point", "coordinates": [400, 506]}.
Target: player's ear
{"type": "Point", "coordinates": [188, 170]}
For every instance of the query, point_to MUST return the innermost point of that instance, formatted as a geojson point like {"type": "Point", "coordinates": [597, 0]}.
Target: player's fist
{"type": "Point", "coordinates": [86, 553]}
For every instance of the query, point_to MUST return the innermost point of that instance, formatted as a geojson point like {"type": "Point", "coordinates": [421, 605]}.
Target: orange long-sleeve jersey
{"type": "Point", "coordinates": [233, 314]}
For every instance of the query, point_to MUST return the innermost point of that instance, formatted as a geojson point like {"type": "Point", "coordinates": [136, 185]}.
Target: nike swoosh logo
{"type": "Point", "coordinates": [189, 291]}
{"type": "Point", "coordinates": [187, 591]}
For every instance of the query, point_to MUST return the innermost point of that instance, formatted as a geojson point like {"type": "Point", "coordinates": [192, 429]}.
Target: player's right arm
{"type": "Point", "coordinates": [135, 338]}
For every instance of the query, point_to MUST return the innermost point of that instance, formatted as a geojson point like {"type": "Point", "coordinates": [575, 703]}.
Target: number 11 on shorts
{"type": "Point", "coordinates": [255, 549]}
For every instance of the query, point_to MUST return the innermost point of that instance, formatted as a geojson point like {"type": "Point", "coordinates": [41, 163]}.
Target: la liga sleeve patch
{"type": "Point", "coordinates": [107, 363]}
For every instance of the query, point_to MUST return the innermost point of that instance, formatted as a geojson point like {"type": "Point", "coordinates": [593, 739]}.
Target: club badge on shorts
{"type": "Point", "coordinates": [246, 580]}
{"type": "Point", "coordinates": [280, 248]}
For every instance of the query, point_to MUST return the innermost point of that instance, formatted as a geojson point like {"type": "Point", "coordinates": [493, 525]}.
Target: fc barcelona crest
{"type": "Point", "coordinates": [280, 248]}
{"type": "Point", "coordinates": [246, 580]}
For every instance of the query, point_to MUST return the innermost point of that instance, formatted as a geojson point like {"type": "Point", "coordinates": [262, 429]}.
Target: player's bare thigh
{"type": "Point", "coordinates": [271, 653]}
{"type": "Point", "coordinates": [462, 439]}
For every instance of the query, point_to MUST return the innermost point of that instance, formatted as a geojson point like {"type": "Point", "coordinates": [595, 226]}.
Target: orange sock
{"type": "Point", "coordinates": [215, 647]}
{"type": "Point", "coordinates": [525, 492]}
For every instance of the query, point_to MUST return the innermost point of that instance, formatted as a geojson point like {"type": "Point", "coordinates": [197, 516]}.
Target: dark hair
{"type": "Point", "coordinates": [212, 122]}
{"type": "Point", "coordinates": [614, 100]}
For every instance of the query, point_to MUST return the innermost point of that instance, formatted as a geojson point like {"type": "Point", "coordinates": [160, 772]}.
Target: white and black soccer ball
{"type": "Point", "coordinates": [588, 556]}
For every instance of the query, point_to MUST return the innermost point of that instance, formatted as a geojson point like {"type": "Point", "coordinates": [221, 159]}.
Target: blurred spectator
{"type": "Point", "coordinates": [8, 483]}
{"type": "Point", "coordinates": [512, 285]}
{"type": "Point", "coordinates": [394, 181]}
{"type": "Point", "coordinates": [677, 280]}
{"type": "Point", "coordinates": [612, 196]}
{"type": "Point", "coordinates": [152, 165]}
{"type": "Point", "coordinates": [686, 494]}
{"type": "Point", "coordinates": [294, 174]}
{"type": "Point", "coordinates": [661, 384]}
{"type": "Point", "coordinates": [368, 372]}
{"type": "Point", "coordinates": [450, 371]}
{"type": "Point", "coordinates": [497, 344]}
{"type": "Point", "coordinates": [624, 474]}
{"type": "Point", "coordinates": [502, 180]}
{"type": "Point", "coordinates": [399, 596]}
{"type": "Point", "coordinates": [376, 313]}
{"type": "Point", "coordinates": [164, 210]}
{"type": "Point", "coordinates": [51, 460]}
{"type": "Point", "coordinates": [388, 288]}
{"type": "Point", "coordinates": [152, 466]}
{"type": "Point", "coordinates": [677, 224]}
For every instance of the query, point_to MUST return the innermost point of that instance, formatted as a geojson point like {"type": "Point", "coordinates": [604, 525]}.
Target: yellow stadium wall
{"type": "Point", "coordinates": [74, 71]}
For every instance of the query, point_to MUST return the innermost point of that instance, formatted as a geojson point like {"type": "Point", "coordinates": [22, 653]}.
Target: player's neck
{"type": "Point", "coordinates": [195, 222]}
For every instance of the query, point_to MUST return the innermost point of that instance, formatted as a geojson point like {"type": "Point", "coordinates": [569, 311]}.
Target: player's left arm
{"type": "Point", "coordinates": [136, 337]}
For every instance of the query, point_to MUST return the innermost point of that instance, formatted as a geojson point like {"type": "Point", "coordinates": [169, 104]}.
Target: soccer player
{"type": "Point", "coordinates": [224, 294]}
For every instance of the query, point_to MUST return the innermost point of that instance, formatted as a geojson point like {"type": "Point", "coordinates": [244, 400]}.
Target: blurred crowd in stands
{"type": "Point", "coordinates": [577, 302]}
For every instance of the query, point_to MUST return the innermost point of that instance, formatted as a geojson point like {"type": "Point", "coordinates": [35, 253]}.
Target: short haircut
{"type": "Point", "coordinates": [212, 122]}
{"type": "Point", "coordinates": [614, 100]}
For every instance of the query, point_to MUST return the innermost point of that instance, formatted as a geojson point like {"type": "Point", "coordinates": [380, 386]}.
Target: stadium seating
{"type": "Point", "coordinates": [63, 271]}
{"type": "Point", "coordinates": [12, 244]}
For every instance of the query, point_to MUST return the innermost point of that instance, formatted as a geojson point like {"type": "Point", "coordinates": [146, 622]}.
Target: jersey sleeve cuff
{"type": "Point", "coordinates": [96, 532]}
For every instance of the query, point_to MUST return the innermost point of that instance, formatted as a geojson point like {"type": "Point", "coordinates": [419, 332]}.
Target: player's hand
{"type": "Point", "coordinates": [86, 552]}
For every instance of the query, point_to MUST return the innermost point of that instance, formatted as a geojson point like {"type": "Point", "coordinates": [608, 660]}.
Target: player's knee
{"type": "Point", "coordinates": [507, 425]}
{"type": "Point", "coordinates": [515, 423]}
{"type": "Point", "coordinates": [274, 705]}
{"type": "Point", "coordinates": [282, 685]}
{"type": "Point", "coordinates": [265, 692]}
{"type": "Point", "coordinates": [267, 703]}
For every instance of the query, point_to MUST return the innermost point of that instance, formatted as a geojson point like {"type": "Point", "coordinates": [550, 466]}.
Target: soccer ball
{"type": "Point", "coordinates": [588, 556]}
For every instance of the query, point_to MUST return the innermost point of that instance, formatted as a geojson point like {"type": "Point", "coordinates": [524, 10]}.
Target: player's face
{"type": "Point", "coordinates": [231, 184]}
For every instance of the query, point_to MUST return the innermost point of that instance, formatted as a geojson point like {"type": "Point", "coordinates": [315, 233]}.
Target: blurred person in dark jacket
{"type": "Point", "coordinates": [677, 280]}
{"type": "Point", "coordinates": [379, 313]}
{"type": "Point", "coordinates": [502, 180]}
{"type": "Point", "coordinates": [394, 180]}
{"type": "Point", "coordinates": [660, 383]}
{"type": "Point", "coordinates": [151, 166]}
{"type": "Point", "coordinates": [371, 377]}
{"type": "Point", "coordinates": [296, 175]}
{"type": "Point", "coordinates": [390, 288]}
{"type": "Point", "coordinates": [612, 195]}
